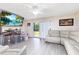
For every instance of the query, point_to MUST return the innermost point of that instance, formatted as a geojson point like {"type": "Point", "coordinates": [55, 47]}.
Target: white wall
{"type": "Point", "coordinates": [54, 25]}
{"type": "Point", "coordinates": [44, 27]}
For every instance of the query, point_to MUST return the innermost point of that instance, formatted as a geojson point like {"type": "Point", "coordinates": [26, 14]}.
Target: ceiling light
{"type": "Point", "coordinates": [36, 12]}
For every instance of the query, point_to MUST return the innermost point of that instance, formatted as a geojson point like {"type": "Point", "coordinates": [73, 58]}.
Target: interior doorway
{"type": "Point", "coordinates": [36, 29]}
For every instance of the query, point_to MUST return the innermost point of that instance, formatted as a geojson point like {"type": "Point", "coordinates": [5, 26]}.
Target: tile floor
{"type": "Point", "coordinates": [37, 46]}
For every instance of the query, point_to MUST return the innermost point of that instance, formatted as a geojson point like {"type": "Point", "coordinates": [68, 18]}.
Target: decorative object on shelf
{"type": "Point", "coordinates": [66, 22]}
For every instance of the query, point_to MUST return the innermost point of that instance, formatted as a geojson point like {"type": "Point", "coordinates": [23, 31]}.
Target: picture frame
{"type": "Point", "coordinates": [28, 24]}
{"type": "Point", "coordinates": [66, 22]}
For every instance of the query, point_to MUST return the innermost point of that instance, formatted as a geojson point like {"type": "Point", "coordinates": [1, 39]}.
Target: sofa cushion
{"type": "Point", "coordinates": [53, 33]}
{"type": "Point", "coordinates": [64, 34]}
{"type": "Point", "coordinates": [74, 35]}
{"type": "Point", "coordinates": [70, 48]}
{"type": "Point", "coordinates": [17, 51]}
{"type": "Point", "coordinates": [3, 48]}
{"type": "Point", "coordinates": [62, 40]}
{"type": "Point", "coordinates": [53, 39]}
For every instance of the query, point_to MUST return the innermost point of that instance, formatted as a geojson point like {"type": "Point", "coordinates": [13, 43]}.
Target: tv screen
{"type": "Point", "coordinates": [14, 20]}
{"type": "Point", "coordinates": [11, 20]}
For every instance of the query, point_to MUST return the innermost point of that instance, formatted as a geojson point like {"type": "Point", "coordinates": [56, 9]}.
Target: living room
{"type": "Point", "coordinates": [49, 30]}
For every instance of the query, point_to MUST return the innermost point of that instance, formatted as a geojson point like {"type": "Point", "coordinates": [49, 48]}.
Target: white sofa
{"type": "Point", "coordinates": [70, 40]}
{"type": "Point", "coordinates": [53, 36]}
{"type": "Point", "coordinates": [3, 48]}
{"type": "Point", "coordinates": [10, 51]}
{"type": "Point", "coordinates": [71, 47]}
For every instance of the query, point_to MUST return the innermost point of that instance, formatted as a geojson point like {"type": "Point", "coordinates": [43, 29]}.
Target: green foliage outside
{"type": "Point", "coordinates": [36, 27]}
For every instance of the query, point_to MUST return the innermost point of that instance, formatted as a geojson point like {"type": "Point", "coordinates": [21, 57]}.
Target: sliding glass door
{"type": "Point", "coordinates": [36, 29]}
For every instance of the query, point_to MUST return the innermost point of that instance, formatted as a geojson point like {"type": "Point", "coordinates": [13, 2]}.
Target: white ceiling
{"type": "Point", "coordinates": [44, 10]}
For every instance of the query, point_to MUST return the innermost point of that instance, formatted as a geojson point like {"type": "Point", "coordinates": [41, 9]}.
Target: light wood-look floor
{"type": "Point", "coordinates": [37, 46]}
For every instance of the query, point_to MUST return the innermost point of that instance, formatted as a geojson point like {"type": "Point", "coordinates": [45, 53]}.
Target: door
{"type": "Point", "coordinates": [36, 29]}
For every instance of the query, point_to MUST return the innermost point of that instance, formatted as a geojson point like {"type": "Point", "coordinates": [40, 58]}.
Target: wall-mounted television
{"type": "Point", "coordinates": [10, 19]}
{"type": "Point", "coordinates": [14, 21]}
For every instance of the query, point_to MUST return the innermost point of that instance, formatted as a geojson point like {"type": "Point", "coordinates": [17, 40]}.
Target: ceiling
{"type": "Point", "coordinates": [33, 10]}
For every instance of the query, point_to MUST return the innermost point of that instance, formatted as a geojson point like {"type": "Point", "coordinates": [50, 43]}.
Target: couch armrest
{"type": "Point", "coordinates": [15, 51]}
{"type": "Point", "coordinates": [3, 48]}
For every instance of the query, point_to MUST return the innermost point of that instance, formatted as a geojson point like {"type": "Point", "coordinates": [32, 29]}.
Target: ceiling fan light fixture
{"type": "Point", "coordinates": [36, 12]}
